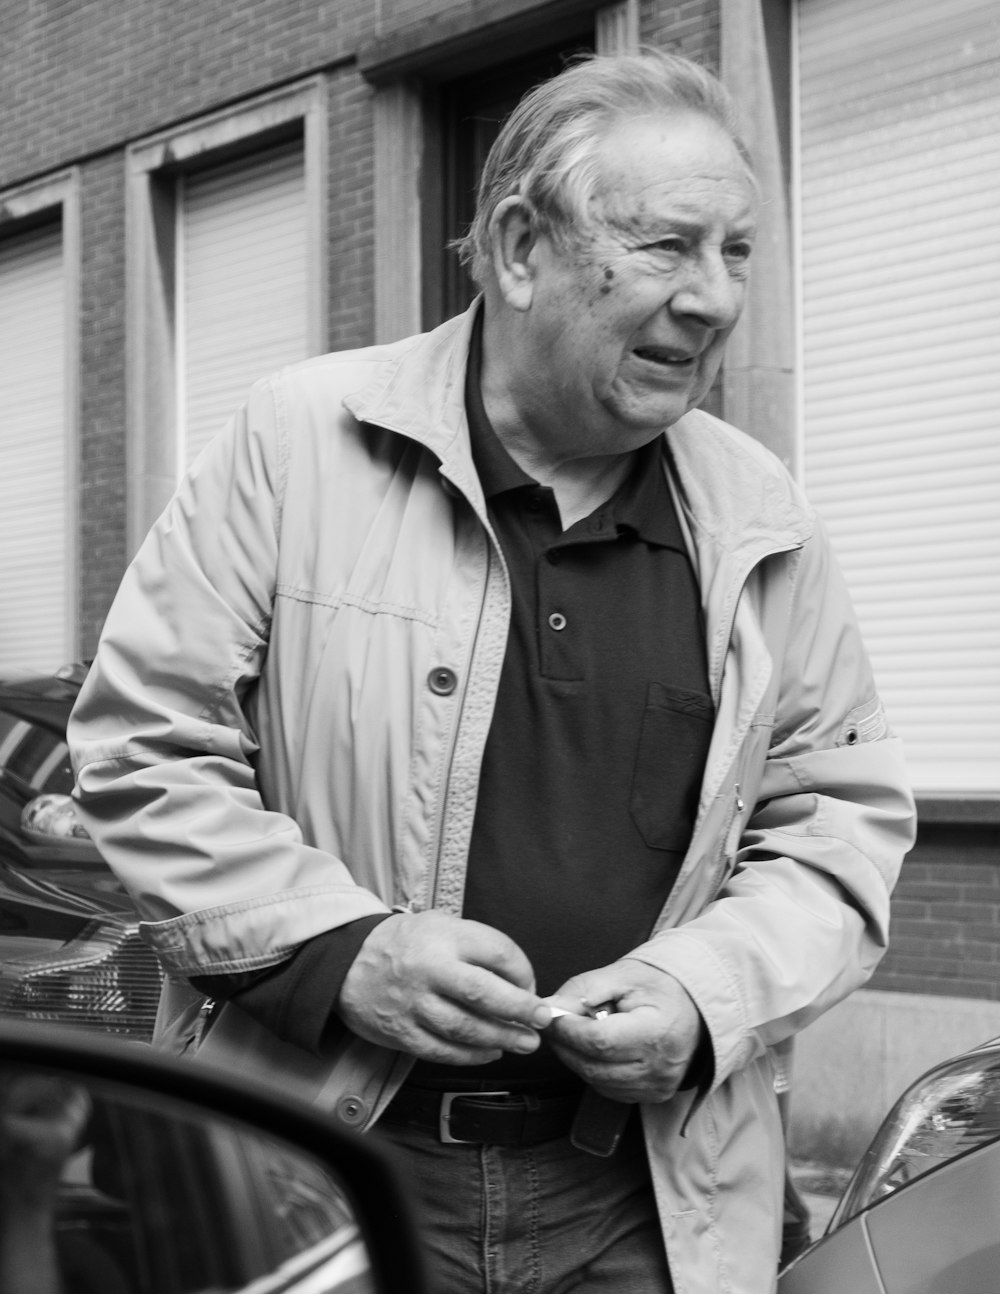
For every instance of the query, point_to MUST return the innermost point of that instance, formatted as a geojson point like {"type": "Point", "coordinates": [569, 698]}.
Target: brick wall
{"type": "Point", "coordinates": [102, 391]}
{"type": "Point", "coordinates": [350, 211]}
{"type": "Point", "coordinates": [691, 29]}
{"type": "Point", "coordinates": [89, 76]}
{"type": "Point", "coordinates": [946, 915]}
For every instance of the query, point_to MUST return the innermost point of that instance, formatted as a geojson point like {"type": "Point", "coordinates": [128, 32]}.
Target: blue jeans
{"type": "Point", "coordinates": [543, 1219]}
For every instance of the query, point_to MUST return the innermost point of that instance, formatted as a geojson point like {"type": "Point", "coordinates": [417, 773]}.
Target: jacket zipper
{"type": "Point", "coordinates": [437, 833]}
{"type": "Point", "coordinates": [732, 827]}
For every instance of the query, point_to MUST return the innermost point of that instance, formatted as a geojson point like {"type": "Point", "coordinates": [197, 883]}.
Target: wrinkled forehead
{"type": "Point", "coordinates": [686, 163]}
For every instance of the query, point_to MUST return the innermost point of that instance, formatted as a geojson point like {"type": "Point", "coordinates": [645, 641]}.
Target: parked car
{"type": "Point", "coordinates": [70, 949]}
{"type": "Point", "coordinates": [921, 1215]}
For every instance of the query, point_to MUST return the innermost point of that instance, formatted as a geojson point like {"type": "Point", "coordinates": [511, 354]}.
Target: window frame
{"type": "Point", "coordinates": [405, 67]}
{"type": "Point", "coordinates": [152, 166]}
{"type": "Point", "coordinates": [953, 807]}
{"type": "Point", "coordinates": [56, 199]}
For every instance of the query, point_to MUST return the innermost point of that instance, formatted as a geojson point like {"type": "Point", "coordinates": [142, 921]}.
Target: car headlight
{"type": "Point", "coordinates": [51, 820]}
{"type": "Point", "coordinates": [104, 978]}
{"type": "Point", "coordinates": [952, 1110]}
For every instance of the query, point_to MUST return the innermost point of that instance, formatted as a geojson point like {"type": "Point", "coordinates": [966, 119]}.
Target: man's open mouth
{"type": "Point", "coordinates": [669, 358]}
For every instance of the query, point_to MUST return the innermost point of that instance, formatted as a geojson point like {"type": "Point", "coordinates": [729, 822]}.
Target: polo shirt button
{"type": "Point", "coordinates": [351, 1110]}
{"type": "Point", "coordinates": [442, 681]}
{"type": "Point", "coordinates": [557, 621]}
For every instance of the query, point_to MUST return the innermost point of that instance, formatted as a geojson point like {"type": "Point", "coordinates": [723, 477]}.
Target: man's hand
{"type": "Point", "coordinates": [443, 989]}
{"type": "Point", "coordinates": [642, 1050]}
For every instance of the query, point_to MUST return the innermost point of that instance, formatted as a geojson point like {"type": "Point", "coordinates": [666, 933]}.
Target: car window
{"type": "Point", "coordinates": [33, 755]}
{"type": "Point", "coordinates": [139, 1198]}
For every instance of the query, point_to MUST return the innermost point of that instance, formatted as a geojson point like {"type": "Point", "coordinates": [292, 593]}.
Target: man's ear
{"type": "Point", "coordinates": [513, 238]}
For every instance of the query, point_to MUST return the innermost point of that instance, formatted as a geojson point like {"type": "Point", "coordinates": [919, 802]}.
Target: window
{"type": "Point", "coordinates": [241, 285]}
{"type": "Point", "coordinates": [471, 111]}
{"type": "Point", "coordinates": [899, 144]}
{"type": "Point", "coordinates": [439, 99]}
{"type": "Point", "coordinates": [227, 275]}
{"type": "Point", "coordinates": [38, 427]}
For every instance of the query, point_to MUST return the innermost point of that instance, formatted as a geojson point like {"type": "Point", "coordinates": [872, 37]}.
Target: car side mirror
{"type": "Point", "coordinates": [123, 1171]}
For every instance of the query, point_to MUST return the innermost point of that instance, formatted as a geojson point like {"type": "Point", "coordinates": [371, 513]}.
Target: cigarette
{"type": "Point", "coordinates": [595, 1013]}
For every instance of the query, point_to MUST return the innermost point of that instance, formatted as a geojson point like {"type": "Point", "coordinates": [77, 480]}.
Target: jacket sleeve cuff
{"type": "Point", "coordinates": [296, 999]}
{"type": "Point", "coordinates": [700, 1073]}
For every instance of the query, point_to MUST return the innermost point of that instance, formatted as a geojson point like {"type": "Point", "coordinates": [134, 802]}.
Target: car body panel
{"type": "Point", "coordinates": [939, 1234]}
{"type": "Point", "coordinates": [841, 1263]}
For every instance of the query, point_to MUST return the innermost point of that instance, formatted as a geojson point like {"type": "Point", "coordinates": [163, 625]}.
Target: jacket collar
{"type": "Point", "coordinates": [733, 494]}
{"type": "Point", "coordinates": [419, 391]}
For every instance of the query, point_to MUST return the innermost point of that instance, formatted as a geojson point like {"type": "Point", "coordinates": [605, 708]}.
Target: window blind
{"type": "Point", "coordinates": [35, 630]}
{"type": "Point", "coordinates": [242, 287]}
{"type": "Point", "coordinates": [899, 177]}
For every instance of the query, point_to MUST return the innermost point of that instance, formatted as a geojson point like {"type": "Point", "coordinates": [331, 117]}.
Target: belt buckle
{"type": "Point", "coordinates": [444, 1116]}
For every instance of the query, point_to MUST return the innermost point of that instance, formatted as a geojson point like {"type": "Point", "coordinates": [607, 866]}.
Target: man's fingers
{"type": "Point", "coordinates": [431, 1046]}
{"type": "Point", "coordinates": [430, 976]}
{"type": "Point", "coordinates": [450, 1021]}
{"type": "Point", "coordinates": [642, 1050]}
{"type": "Point", "coordinates": [485, 994]}
{"type": "Point", "coordinates": [482, 945]}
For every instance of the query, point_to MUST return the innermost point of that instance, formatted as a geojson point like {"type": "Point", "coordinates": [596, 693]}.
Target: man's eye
{"type": "Point", "coordinates": [737, 253]}
{"type": "Point", "coordinates": [666, 246]}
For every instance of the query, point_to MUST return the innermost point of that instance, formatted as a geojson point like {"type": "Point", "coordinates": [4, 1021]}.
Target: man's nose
{"type": "Point", "coordinates": [709, 292]}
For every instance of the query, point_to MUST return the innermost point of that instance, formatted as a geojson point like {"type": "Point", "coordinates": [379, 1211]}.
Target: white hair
{"type": "Point", "coordinates": [548, 149]}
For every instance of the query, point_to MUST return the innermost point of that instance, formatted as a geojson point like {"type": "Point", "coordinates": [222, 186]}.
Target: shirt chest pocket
{"type": "Point", "coordinates": [670, 762]}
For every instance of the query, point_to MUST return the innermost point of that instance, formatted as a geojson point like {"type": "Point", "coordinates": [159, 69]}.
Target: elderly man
{"type": "Point", "coordinates": [491, 726]}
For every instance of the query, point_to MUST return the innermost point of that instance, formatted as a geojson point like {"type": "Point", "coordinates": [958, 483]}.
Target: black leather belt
{"type": "Point", "coordinates": [486, 1118]}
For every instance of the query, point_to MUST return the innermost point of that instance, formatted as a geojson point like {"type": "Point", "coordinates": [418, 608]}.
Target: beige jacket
{"type": "Point", "coordinates": [283, 729]}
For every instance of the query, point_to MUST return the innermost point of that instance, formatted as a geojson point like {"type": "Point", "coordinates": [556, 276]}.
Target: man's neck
{"type": "Point", "coordinates": [580, 484]}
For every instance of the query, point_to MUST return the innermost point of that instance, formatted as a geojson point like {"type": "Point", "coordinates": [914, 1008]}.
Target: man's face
{"type": "Point", "coordinates": [627, 335]}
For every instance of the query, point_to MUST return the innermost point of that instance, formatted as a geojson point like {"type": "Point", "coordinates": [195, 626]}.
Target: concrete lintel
{"type": "Point", "coordinates": [436, 43]}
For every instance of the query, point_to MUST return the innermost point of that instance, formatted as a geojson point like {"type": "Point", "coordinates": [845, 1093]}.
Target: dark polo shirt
{"type": "Point", "coordinates": [595, 755]}
{"type": "Point", "coordinates": [594, 759]}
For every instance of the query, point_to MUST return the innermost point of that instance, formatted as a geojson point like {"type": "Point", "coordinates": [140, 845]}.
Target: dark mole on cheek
{"type": "Point", "coordinates": [609, 272]}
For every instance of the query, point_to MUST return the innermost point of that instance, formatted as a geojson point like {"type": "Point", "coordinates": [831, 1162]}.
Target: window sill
{"type": "Point", "coordinates": [969, 810]}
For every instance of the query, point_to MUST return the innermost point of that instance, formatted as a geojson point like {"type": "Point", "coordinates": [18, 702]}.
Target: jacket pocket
{"type": "Point", "coordinates": [670, 762]}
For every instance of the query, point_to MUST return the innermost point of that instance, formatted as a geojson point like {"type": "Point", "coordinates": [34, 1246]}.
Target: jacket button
{"type": "Point", "coordinates": [351, 1110]}
{"type": "Point", "coordinates": [442, 680]}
